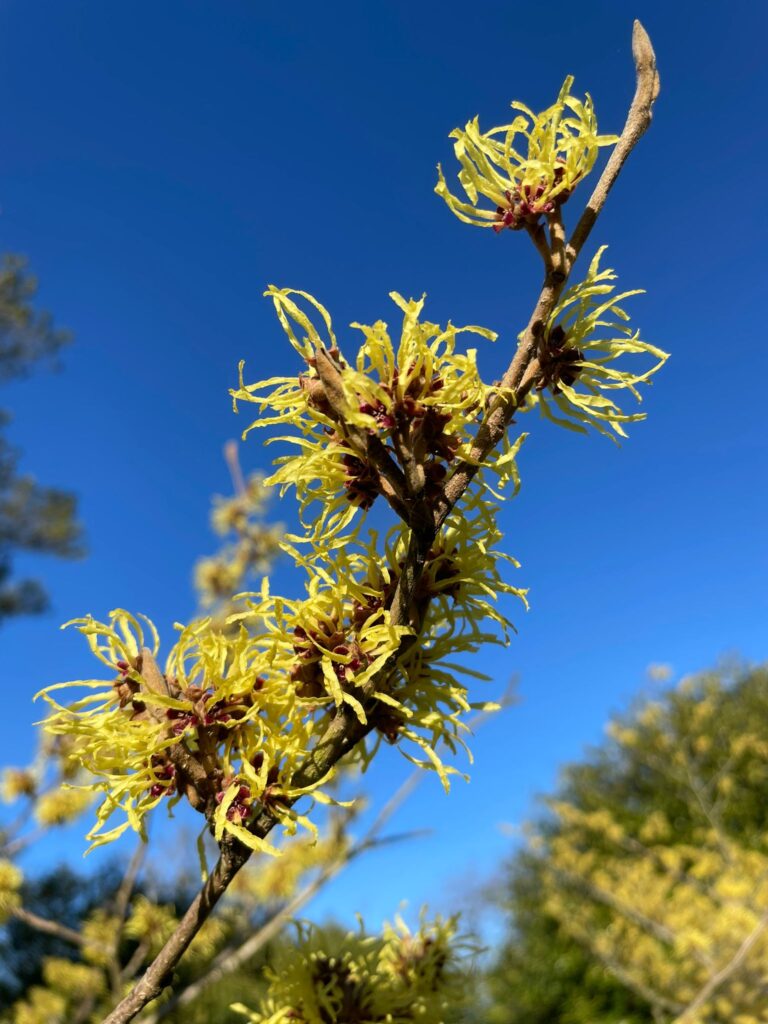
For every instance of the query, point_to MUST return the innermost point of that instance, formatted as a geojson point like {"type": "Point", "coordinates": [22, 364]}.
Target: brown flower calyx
{"type": "Point", "coordinates": [387, 722]}
{"type": "Point", "coordinates": [165, 775]}
{"type": "Point", "coordinates": [240, 808]}
{"type": "Point", "coordinates": [274, 794]}
{"type": "Point", "coordinates": [525, 206]}
{"type": "Point", "coordinates": [560, 362]}
{"type": "Point", "coordinates": [361, 481]}
{"type": "Point", "coordinates": [310, 646]}
{"type": "Point", "coordinates": [332, 974]}
{"type": "Point", "coordinates": [126, 686]}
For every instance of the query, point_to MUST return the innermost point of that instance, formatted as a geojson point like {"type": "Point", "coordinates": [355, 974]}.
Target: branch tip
{"type": "Point", "coordinates": [645, 57]}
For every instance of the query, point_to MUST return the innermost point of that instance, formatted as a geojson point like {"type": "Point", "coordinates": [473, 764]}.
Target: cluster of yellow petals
{"type": "Point", "coordinates": [386, 379]}
{"type": "Point", "coordinates": [400, 976]}
{"type": "Point", "coordinates": [596, 335]}
{"type": "Point", "coordinates": [558, 148]}
{"type": "Point", "coordinates": [249, 700]}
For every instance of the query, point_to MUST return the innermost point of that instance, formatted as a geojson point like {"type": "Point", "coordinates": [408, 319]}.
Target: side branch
{"type": "Point", "coordinates": [48, 927]}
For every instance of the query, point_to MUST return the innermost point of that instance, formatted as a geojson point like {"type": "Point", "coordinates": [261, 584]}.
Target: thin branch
{"type": "Point", "coordinates": [117, 975]}
{"type": "Point", "coordinates": [42, 924]}
{"type": "Point", "coordinates": [136, 960]}
{"type": "Point", "coordinates": [232, 459]}
{"type": "Point", "coordinates": [16, 845]}
{"type": "Point", "coordinates": [539, 239]}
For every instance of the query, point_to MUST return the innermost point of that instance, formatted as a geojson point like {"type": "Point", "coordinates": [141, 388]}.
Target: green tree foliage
{"type": "Point", "coordinates": [32, 517]}
{"type": "Point", "coordinates": [647, 876]}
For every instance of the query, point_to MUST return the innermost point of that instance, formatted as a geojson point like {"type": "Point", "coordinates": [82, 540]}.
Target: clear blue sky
{"type": "Point", "coordinates": [162, 162]}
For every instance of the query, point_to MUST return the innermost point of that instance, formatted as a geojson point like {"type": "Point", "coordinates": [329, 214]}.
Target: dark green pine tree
{"type": "Point", "coordinates": [32, 517]}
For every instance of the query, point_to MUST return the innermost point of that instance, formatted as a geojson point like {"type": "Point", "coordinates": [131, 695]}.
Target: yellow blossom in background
{"type": "Point", "coordinates": [399, 977]}
{"type": "Point", "coordinates": [526, 168]}
{"type": "Point", "coordinates": [99, 931]}
{"type": "Point", "coordinates": [277, 879]}
{"type": "Point", "coordinates": [74, 981]}
{"type": "Point", "coordinates": [659, 869]}
{"type": "Point", "coordinates": [10, 884]}
{"type": "Point", "coordinates": [150, 923]}
{"type": "Point", "coordinates": [62, 805]}
{"type": "Point", "coordinates": [250, 548]}
{"type": "Point", "coordinates": [17, 782]}
{"type": "Point", "coordinates": [40, 1005]}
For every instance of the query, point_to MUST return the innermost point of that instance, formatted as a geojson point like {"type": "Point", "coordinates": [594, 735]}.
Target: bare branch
{"type": "Point", "coordinates": [232, 458]}
{"type": "Point", "coordinates": [42, 924]}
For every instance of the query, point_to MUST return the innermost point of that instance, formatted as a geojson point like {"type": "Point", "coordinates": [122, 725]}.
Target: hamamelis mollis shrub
{"type": "Point", "coordinates": [250, 723]}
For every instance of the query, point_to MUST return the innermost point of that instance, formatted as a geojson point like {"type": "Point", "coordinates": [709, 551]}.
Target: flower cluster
{"type": "Point", "coordinates": [523, 180]}
{"type": "Point", "coordinates": [244, 703]}
{"type": "Point", "coordinates": [586, 334]}
{"type": "Point", "coordinates": [399, 977]}
{"type": "Point", "coordinates": [409, 406]}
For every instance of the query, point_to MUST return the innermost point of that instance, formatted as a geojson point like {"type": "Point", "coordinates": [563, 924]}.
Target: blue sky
{"type": "Point", "coordinates": [162, 163]}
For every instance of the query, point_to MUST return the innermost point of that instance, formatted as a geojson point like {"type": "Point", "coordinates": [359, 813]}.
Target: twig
{"type": "Point", "coordinates": [117, 975]}
{"type": "Point", "coordinates": [136, 960]}
{"type": "Point", "coordinates": [232, 458]}
{"type": "Point", "coordinates": [233, 856]}
{"type": "Point", "coordinates": [16, 845]}
{"type": "Point", "coordinates": [42, 924]}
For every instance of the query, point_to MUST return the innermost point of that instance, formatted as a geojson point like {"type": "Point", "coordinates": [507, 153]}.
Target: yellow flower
{"type": "Point", "coordinates": [74, 981]}
{"type": "Point", "coordinates": [400, 977]}
{"type": "Point", "coordinates": [559, 148]}
{"type": "Point", "coordinates": [40, 1005]}
{"type": "Point", "coordinates": [149, 922]}
{"type": "Point", "coordinates": [61, 805]}
{"type": "Point", "coordinates": [17, 782]}
{"type": "Point", "coordinates": [587, 334]}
